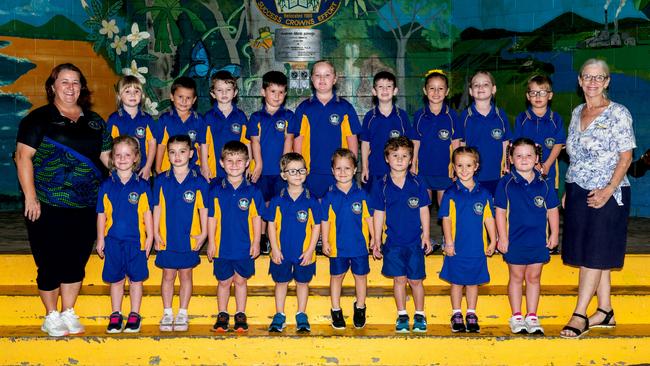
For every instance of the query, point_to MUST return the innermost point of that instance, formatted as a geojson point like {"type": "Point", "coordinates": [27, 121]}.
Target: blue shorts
{"type": "Point", "coordinates": [436, 183]}
{"type": "Point", "coordinates": [270, 186]}
{"type": "Point", "coordinates": [466, 271]}
{"type": "Point", "coordinates": [340, 265]}
{"type": "Point", "coordinates": [177, 260]}
{"type": "Point", "coordinates": [403, 261]}
{"type": "Point", "coordinates": [287, 270]}
{"type": "Point", "coordinates": [224, 268]}
{"type": "Point", "coordinates": [319, 184]}
{"type": "Point", "coordinates": [122, 259]}
{"type": "Point", "coordinates": [526, 254]}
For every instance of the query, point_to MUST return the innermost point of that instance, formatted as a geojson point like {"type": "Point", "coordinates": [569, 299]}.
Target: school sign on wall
{"type": "Point", "coordinates": [298, 13]}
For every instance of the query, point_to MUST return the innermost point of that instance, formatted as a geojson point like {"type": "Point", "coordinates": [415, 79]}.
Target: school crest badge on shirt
{"type": "Point", "coordinates": [139, 132]}
{"type": "Point", "coordinates": [192, 135]}
{"type": "Point", "coordinates": [413, 202]}
{"type": "Point", "coordinates": [357, 207]}
{"type": "Point", "coordinates": [539, 201]}
{"type": "Point", "coordinates": [235, 128]}
{"type": "Point", "coordinates": [280, 125]}
{"type": "Point", "coordinates": [301, 216]}
{"type": "Point", "coordinates": [335, 120]}
{"type": "Point", "coordinates": [243, 204]}
{"type": "Point", "coordinates": [497, 133]}
{"type": "Point", "coordinates": [394, 133]}
{"type": "Point", "coordinates": [443, 134]}
{"type": "Point", "coordinates": [133, 197]}
{"type": "Point", "coordinates": [549, 142]}
{"type": "Point", "coordinates": [478, 208]}
{"type": "Point", "coordinates": [189, 196]}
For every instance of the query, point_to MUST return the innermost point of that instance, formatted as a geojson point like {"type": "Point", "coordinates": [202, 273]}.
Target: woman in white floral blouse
{"type": "Point", "coordinates": [597, 201]}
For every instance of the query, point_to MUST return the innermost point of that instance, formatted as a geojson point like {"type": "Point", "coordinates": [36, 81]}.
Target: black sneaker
{"type": "Point", "coordinates": [222, 322]}
{"type": "Point", "coordinates": [337, 319]}
{"type": "Point", "coordinates": [115, 321]}
{"type": "Point", "coordinates": [359, 317]}
{"type": "Point", "coordinates": [472, 323]}
{"type": "Point", "coordinates": [265, 244]}
{"type": "Point", "coordinates": [241, 324]}
{"type": "Point", "coordinates": [457, 324]}
{"type": "Point", "coordinates": [133, 323]}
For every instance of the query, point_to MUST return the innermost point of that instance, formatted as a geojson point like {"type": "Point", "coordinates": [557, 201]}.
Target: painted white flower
{"type": "Point", "coordinates": [84, 4]}
{"type": "Point", "coordinates": [119, 44]}
{"type": "Point", "coordinates": [150, 107]}
{"type": "Point", "coordinates": [109, 28]}
{"type": "Point", "coordinates": [136, 36]}
{"type": "Point", "coordinates": [136, 71]}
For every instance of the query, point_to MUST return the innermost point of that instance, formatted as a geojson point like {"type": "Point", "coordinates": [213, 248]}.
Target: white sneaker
{"type": "Point", "coordinates": [53, 325]}
{"type": "Point", "coordinates": [71, 321]}
{"type": "Point", "coordinates": [532, 325]}
{"type": "Point", "coordinates": [180, 323]}
{"type": "Point", "coordinates": [517, 324]}
{"type": "Point", "coordinates": [167, 323]}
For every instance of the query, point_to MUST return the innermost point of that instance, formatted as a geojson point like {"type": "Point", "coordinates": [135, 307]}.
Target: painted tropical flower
{"type": "Point", "coordinates": [136, 36]}
{"type": "Point", "coordinates": [119, 44]}
{"type": "Point", "coordinates": [109, 28]}
{"type": "Point", "coordinates": [136, 71]}
{"type": "Point", "coordinates": [151, 107]}
{"type": "Point", "coordinates": [84, 4]}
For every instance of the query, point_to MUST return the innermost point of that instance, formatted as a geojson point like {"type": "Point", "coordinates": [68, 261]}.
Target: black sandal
{"type": "Point", "coordinates": [606, 323]}
{"type": "Point", "coordinates": [577, 332]}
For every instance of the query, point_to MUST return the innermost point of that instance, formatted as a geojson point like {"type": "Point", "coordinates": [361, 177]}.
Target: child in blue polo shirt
{"type": "Point", "coordinates": [345, 205]}
{"type": "Point", "coordinates": [384, 121]}
{"type": "Point", "coordinates": [525, 203]}
{"type": "Point", "coordinates": [400, 200]}
{"type": "Point", "coordinates": [270, 140]}
{"type": "Point", "coordinates": [130, 119]}
{"type": "Point", "coordinates": [436, 135]}
{"type": "Point", "coordinates": [322, 124]}
{"type": "Point", "coordinates": [234, 226]}
{"type": "Point", "coordinates": [182, 119]}
{"type": "Point", "coordinates": [485, 127]}
{"type": "Point", "coordinates": [180, 219]}
{"type": "Point", "coordinates": [467, 220]}
{"type": "Point", "coordinates": [542, 125]}
{"type": "Point", "coordinates": [224, 121]}
{"type": "Point", "coordinates": [124, 231]}
{"type": "Point", "coordinates": [294, 224]}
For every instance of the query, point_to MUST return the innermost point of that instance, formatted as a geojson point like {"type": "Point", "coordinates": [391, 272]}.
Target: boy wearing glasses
{"type": "Point", "coordinates": [293, 220]}
{"type": "Point", "coordinates": [234, 227]}
{"type": "Point", "coordinates": [542, 125]}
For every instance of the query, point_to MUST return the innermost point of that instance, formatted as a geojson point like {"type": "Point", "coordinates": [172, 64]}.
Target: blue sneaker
{"type": "Point", "coordinates": [278, 323]}
{"type": "Point", "coordinates": [419, 323]}
{"type": "Point", "coordinates": [302, 323]}
{"type": "Point", "coordinates": [402, 324]}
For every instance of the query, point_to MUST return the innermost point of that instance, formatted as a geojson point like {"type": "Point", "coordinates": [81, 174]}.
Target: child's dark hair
{"type": "Point", "coordinates": [465, 150]}
{"type": "Point", "coordinates": [395, 143]}
{"type": "Point", "coordinates": [226, 77]}
{"type": "Point", "coordinates": [383, 75]}
{"type": "Point", "coordinates": [274, 77]}
{"type": "Point", "coordinates": [524, 141]}
{"type": "Point", "coordinates": [344, 154]}
{"type": "Point", "coordinates": [541, 80]}
{"type": "Point", "coordinates": [234, 147]}
{"type": "Point", "coordinates": [184, 82]}
{"type": "Point", "coordinates": [133, 143]}
{"type": "Point", "coordinates": [430, 75]}
{"type": "Point", "coordinates": [290, 157]}
{"type": "Point", "coordinates": [180, 139]}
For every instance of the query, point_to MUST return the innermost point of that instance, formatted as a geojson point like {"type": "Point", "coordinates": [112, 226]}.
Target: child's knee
{"type": "Point", "coordinates": [169, 275]}
{"type": "Point", "coordinates": [225, 283]}
{"type": "Point", "coordinates": [533, 278]}
{"type": "Point", "coordinates": [338, 277]}
{"type": "Point", "coordinates": [400, 280]}
{"type": "Point", "coordinates": [239, 280]}
{"type": "Point", "coordinates": [415, 283]}
{"type": "Point", "coordinates": [185, 274]}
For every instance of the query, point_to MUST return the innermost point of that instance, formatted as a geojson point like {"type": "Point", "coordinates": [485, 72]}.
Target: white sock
{"type": "Point", "coordinates": [401, 312]}
{"type": "Point", "coordinates": [168, 311]}
{"type": "Point", "coordinates": [454, 311]}
{"type": "Point", "coordinates": [471, 311]}
{"type": "Point", "coordinates": [420, 313]}
{"type": "Point", "coordinates": [182, 311]}
{"type": "Point", "coordinates": [339, 309]}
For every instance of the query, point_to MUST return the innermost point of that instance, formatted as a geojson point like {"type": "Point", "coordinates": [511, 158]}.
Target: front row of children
{"type": "Point", "coordinates": [186, 212]}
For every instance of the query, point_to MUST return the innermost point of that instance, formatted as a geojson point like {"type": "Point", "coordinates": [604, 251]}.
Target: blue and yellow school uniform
{"type": "Point", "coordinates": [547, 131]}
{"type": "Point", "coordinates": [376, 130]}
{"type": "Point", "coordinates": [467, 211]}
{"type": "Point", "coordinates": [141, 127]}
{"type": "Point", "coordinates": [272, 130]}
{"type": "Point", "coordinates": [294, 222]}
{"type": "Point", "coordinates": [170, 124]}
{"type": "Point", "coordinates": [179, 217]}
{"type": "Point", "coordinates": [526, 206]}
{"type": "Point", "coordinates": [324, 128]}
{"type": "Point", "coordinates": [348, 231]}
{"type": "Point", "coordinates": [221, 129]}
{"type": "Point", "coordinates": [234, 210]}
{"type": "Point", "coordinates": [125, 206]}
{"type": "Point", "coordinates": [435, 133]}
{"type": "Point", "coordinates": [487, 134]}
{"type": "Point", "coordinates": [402, 249]}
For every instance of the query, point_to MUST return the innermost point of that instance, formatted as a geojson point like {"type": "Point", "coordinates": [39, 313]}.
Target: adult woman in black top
{"type": "Point", "coordinates": [62, 149]}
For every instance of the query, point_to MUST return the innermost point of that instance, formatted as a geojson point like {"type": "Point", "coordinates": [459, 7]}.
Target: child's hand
{"type": "Point", "coordinates": [426, 245]}
{"type": "Point", "coordinates": [490, 249]}
{"type": "Point", "coordinates": [503, 245]}
{"type": "Point", "coordinates": [147, 246]}
{"type": "Point", "coordinates": [145, 173]}
{"type": "Point", "coordinates": [205, 172]}
{"type": "Point", "coordinates": [326, 248]}
{"type": "Point", "coordinates": [305, 258]}
{"type": "Point", "coordinates": [211, 251]}
{"type": "Point", "coordinates": [255, 250]}
{"type": "Point", "coordinates": [255, 173]}
{"type": "Point", "coordinates": [553, 241]}
{"type": "Point", "coordinates": [276, 256]}
{"type": "Point", "coordinates": [450, 249]}
{"type": "Point", "coordinates": [100, 247]}
{"type": "Point", "coordinates": [158, 242]}
{"type": "Point", "coordinates": [365, 173]}
{"type": "Point", "coordinates": [414, 167]}
{"type": "Point", "coordinates": [199, 239]}
{"type": "Point", "coordinates": [376, 252]}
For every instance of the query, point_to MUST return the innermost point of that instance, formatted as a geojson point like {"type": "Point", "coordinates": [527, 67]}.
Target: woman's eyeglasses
{"type": "Point", "coordinates": [597, 78]}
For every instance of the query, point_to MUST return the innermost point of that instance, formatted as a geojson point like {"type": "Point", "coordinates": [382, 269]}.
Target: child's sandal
{"type": "Point", "coordinates": [607, 321]}
{"type": "Point", "coordinates": [577, 332]}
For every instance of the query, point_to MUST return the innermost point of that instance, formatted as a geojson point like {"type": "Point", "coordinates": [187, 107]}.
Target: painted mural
{"type": "Point", "coordinates": [159, 40]}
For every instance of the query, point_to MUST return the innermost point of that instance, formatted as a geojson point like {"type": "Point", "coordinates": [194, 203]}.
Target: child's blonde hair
{"type": "Point", "coordinates": [344, 154]}
{"type": "Point", "coordinates": [465, 150]}
{"type": "Point", "coordinates": [289, 157]}
{"type": "Point", "coordinates": [130, 141]}
{"type": "Point", "coordinates": [124, 83]}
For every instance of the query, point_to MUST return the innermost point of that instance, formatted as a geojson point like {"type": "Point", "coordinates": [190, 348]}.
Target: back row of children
{"type": "Point", "coordinates": [183, 202]}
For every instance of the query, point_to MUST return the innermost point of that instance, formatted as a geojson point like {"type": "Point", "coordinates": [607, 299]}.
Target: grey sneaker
{"type": "Point", "coordinates": [517, 324]}
{"type": "Point", "coordinates": [167, 323]}
{"type": "Point", "coordinates": [533, 326]}
{"type": "Point", "coordinates": [180, 323]}
{"type": "Point", "coordinates": [71, 321]}
{"type": "Point", "coordinates": [53, 325]}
